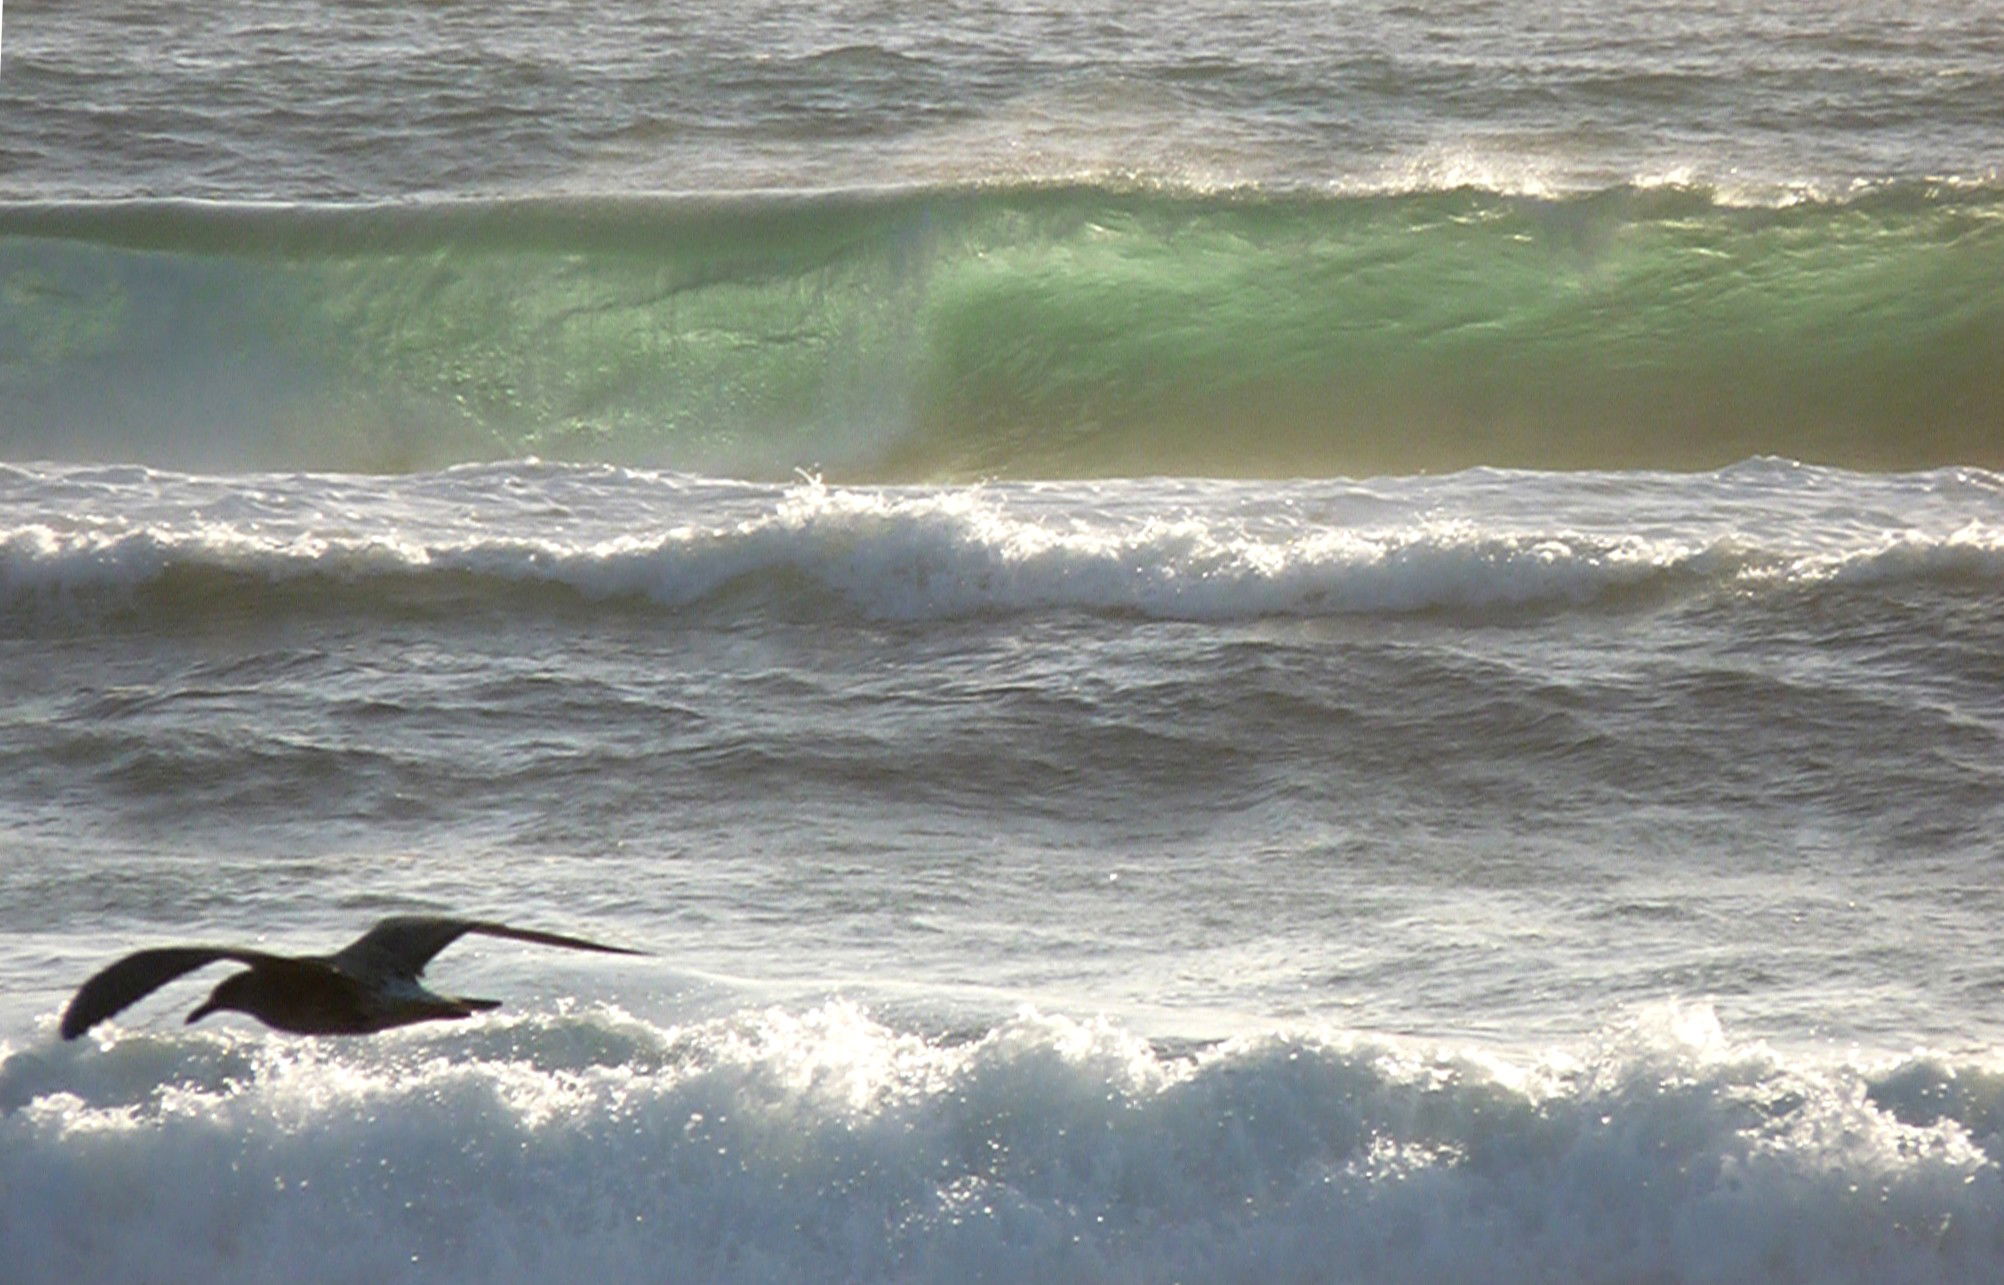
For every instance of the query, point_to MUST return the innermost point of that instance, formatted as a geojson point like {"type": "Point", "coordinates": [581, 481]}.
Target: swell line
{"type": "Point", "coordinates": [1036, 331]}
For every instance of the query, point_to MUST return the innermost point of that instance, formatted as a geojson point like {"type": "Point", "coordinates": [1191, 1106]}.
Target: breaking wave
{"type": "Point", "coordinates": [823, 1144]}
{"type": "Point", "coordinates": [1028, 331]}
{"type": "Point", "coordinates": [921, 554]}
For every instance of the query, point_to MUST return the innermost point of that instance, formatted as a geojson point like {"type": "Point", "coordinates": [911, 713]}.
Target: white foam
{"type": "Point", "coordinates": [930, 553]}
{"type": "Point", "coordinates": [782, 1145]}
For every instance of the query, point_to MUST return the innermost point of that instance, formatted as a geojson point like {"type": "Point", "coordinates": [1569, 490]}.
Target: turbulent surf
{"type": "Point", "coordinates": [1208, 642]}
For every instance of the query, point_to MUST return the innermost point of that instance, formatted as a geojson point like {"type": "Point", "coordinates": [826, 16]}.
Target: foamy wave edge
{"type": "Point", "coordinates": [953, 553]}
{"type": "Point", "coordinates": [818, 1144]}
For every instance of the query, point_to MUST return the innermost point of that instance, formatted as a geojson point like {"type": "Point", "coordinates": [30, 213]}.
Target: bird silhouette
{"type": "Point", "coordinates": [367, 986]}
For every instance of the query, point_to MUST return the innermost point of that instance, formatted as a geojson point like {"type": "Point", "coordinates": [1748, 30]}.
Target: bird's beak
{"type": "Point", "coordinates": [207, 1007]}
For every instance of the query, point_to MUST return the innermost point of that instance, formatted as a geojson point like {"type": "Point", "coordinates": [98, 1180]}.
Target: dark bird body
{"type": "Point", "coordinates": [367, 986]}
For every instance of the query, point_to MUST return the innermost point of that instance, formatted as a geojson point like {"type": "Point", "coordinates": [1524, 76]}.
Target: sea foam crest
{"type": "Point", "coordinates": [922, 554]}
{"type": "Point", "coordinates": [821, 1144]}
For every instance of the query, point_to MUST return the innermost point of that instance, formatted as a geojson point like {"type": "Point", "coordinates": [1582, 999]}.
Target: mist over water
{"type": "Point", "coordinates": [1288, 643]}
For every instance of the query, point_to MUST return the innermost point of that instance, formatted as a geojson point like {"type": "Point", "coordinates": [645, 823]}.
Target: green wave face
{"type": "Point", "coordinates": [1040, 332]}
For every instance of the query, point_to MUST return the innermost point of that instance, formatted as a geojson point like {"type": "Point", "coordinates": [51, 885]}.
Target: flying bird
{"type": "Point", "coordinates": [367, 986]}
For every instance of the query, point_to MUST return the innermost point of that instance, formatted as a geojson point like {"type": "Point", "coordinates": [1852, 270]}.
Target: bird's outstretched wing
{"type": "Point", "coordinates": [139, 975]}
{"type": "Point", "coordinates": [401, 946]}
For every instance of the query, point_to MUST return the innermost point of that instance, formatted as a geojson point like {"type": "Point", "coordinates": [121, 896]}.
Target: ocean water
{"type": "Point", "coordinates": [1210, 642]}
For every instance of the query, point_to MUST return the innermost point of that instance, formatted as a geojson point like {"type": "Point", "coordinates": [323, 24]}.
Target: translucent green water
{"type": "Point", "coordinates": [1072, 331]}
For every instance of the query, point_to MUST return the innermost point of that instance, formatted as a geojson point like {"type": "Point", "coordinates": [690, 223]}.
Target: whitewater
{"type": "Point", "coordinates": [1210, 642]}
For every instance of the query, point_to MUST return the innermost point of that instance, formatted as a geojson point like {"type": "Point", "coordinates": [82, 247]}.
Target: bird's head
{"type": "Point", "coordinates": [238, 993]}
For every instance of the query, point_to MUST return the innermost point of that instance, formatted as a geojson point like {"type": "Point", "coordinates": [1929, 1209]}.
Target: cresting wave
{"type": "Point", "coordinates": [927, 554]}
{"type": "Point", "coordinates": [1030, 331]}
{"type": "Point", "coordinates": [777, 1145]}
